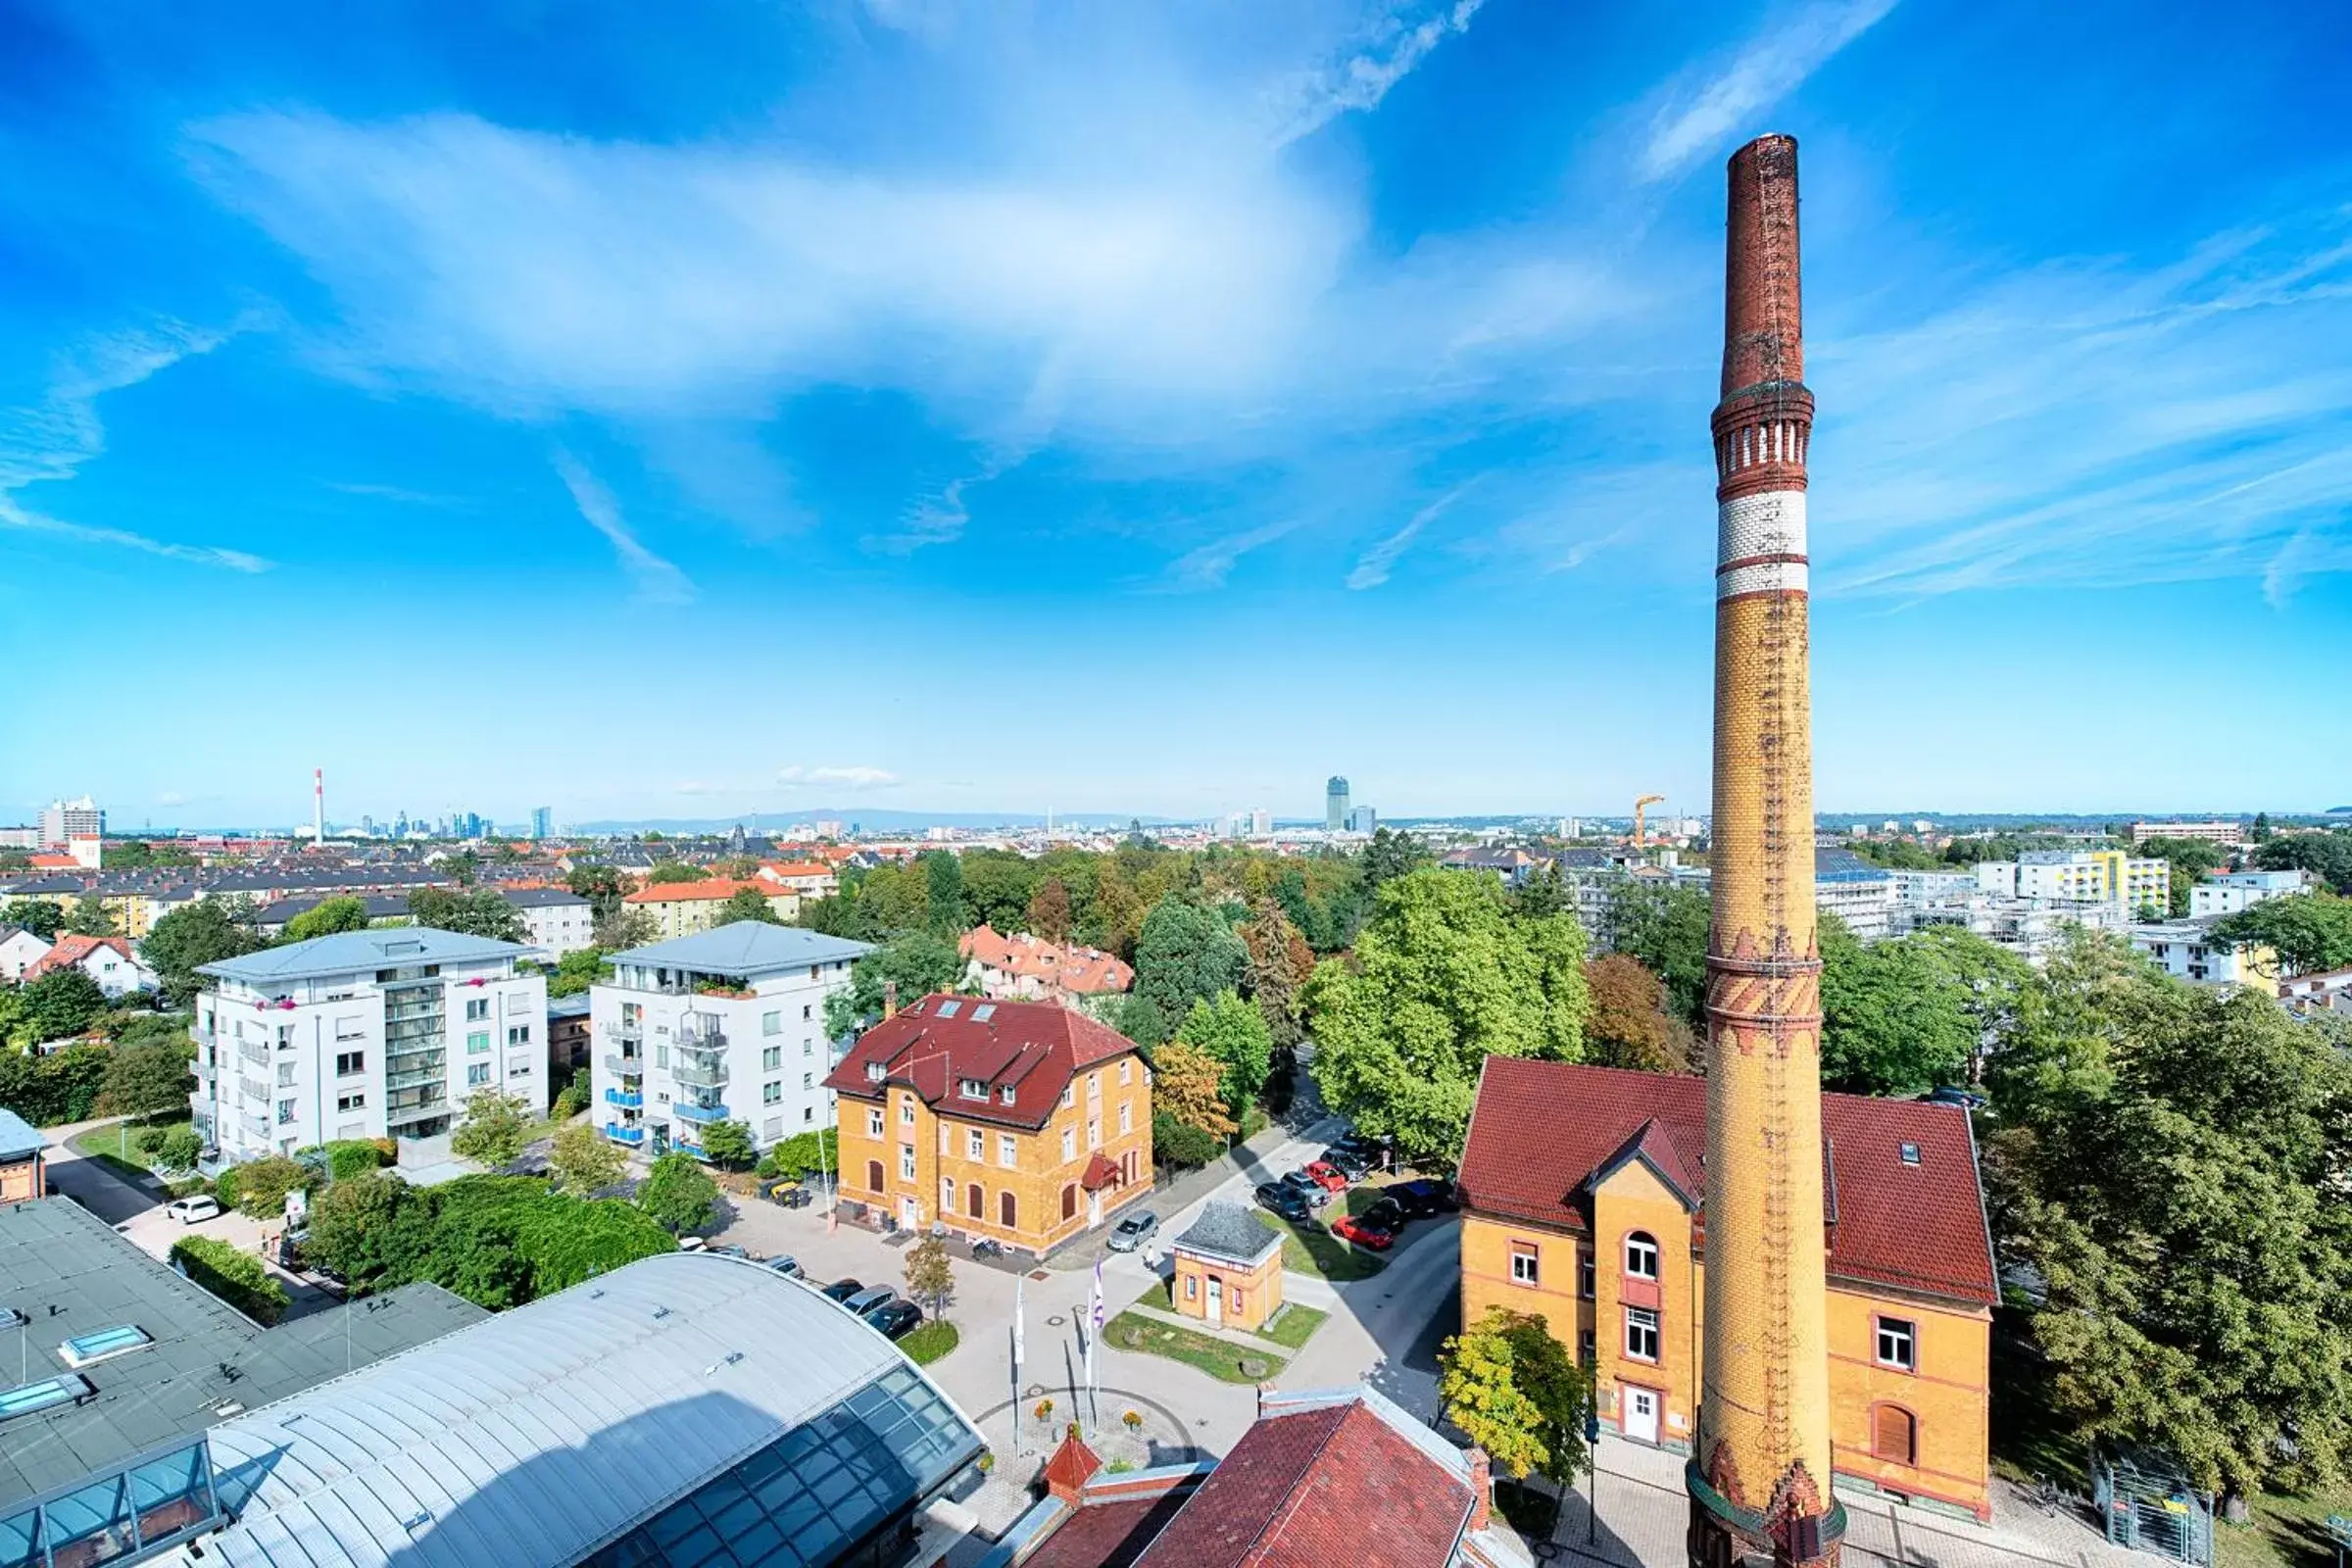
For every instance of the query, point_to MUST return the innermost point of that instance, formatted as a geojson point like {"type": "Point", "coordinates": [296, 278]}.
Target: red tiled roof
{"type": "Point", "coordinates": [71, 949]}
{"type": "Point", "coordinates": [1081, 971]}
{"type": "Point", "coordinates": [1105, 1533]}
{"type": "Point", "coordinates": [718, 887]}
{"type": "Point", "coordinates": [1100, 1171]}
{"type": "Point", "coordinates": [942, 1043]}
{"type": "Point", "coordinates": [1331, 1486]}
{"type": "Point", "coordinates": [1072, 1464]}
{"type": "Point", "coordinates": [778, 870]}
{"type": "Point", "coordinates": [1542, 1131]}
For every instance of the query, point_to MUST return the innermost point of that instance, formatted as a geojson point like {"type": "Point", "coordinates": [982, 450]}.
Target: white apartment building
{"type": "Point", "coordinates": [721, 1025]}
{"type": "Point", "coordinates": [557, 919]}
{"type": "Point", "coordinates": [2188, 952]}
{"type": "Point", "coordinates": [2080, 876]}
{"type": "Point", "coordinates": [2227, 892]}
{"type": "Point", "coordinates": [64, 821]}
{"type": "Point", "coordinates": [364, 1034]}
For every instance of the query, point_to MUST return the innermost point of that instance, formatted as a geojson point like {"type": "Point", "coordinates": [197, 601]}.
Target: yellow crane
{"type": "Point", "coordinates": [1642, 804]}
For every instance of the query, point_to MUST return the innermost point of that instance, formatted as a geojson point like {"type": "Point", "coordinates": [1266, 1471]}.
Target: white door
{"type": "Point", "coordinates": [1216, 1300]}
{"type": "Point", "coordinates": [909, 1217]}
{"type": "Point", "coordinates": [1641, 1413]}
{"type": "Point", "coordinates": [1094, 1209]}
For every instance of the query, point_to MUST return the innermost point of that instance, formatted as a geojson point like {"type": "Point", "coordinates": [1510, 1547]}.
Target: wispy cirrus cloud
{"type": "Point", "coordinates": [836, 777]}
{"type": "Point", "coordinates": [1707, 111]}
{"type": "Point", "coordinates": [658, 581]}
{"type": "Point", "coordinates": [1398, 39]}
{"type": "Point", "coordinates": [1373, 568]}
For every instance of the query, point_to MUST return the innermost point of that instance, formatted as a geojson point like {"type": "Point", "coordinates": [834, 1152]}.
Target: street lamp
{"type": "Point", "coordinates": [1592, 1454]}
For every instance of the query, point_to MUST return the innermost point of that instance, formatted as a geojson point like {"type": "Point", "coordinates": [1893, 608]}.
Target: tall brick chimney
{"type": "Point", "coordinates": [889, 1000]}
{"type": "Point", "coordinates": [1482, 1490]}
{"type": "Point", "coordinates": [1759, 1473]}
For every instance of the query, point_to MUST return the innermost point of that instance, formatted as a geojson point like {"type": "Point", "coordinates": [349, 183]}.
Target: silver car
{"type": "Point", "coordinates": [1133, 1231]}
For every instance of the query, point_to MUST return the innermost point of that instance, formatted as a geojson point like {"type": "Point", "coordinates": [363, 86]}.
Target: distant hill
{"type": "Point", "coordinates": [868, 819]}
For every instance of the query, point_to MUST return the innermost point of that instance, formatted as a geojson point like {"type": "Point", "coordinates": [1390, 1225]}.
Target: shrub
{"type": "Point", "coordinates": [678, 1193]}
{"type": "Point", "coordinates": [571, 1102]}
{"type": "Point", "coordinates": [179, 1148]}
{"type": "Point", "coordinates": [61, 1087]}
{"type": "Point", "coordinates": [229, 1188]}
{"type": "Point", "coordinates": [352, 1157]}
{"type": "Point", "coordinates": [237, 1278]}
{"type": "Point", "coordinates": [1180, 1144]}
{"type": "Point", "coordinates": [263, 1185]}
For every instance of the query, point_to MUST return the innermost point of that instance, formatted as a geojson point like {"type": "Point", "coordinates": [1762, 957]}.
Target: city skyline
{"type": "Point", "coordinates": [1140, 349]}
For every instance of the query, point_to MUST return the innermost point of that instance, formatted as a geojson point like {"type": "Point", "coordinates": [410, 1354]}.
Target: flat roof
{"type": "Point", "coordinates": [745, 947]}
{"type": "Point", "coordinates": [349, 952]}
{"type": "Point", "coordinates": [726, 1404]}
{"type": "Point", "coordinates": [70, 1276]}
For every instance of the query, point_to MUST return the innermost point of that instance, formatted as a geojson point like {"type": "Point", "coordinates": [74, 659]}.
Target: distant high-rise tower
{"type": "Point", "coordinates": [64, 821]}
{"type": "Point", "coordinates": [1334, 803]}
{"type": "Point", "coordinates": [543, 822]}
{"type": "Point", "coordinates": [1759, 1474]}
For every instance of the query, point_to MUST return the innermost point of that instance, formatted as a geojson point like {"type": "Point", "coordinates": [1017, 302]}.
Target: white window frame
{"type": "Point", "coordinates": [1896, 1342]}
{"type": "Point", "coordinates": [1641, 1257]}
{"type": "Point", "coordinates": [1641, 1322]}
{"type": "Point", "coordinates": [1527, 1263]}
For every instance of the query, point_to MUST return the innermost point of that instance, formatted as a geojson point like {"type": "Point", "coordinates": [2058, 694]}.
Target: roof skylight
{"type": "Point", "coordinates": [983, 1012]}
{"type": "Point", "coordinates": [30, 1397]}
{"type": "Point", "coordinates": [87, 1349]}
{"type": "Point", "coordinates": [948, 1010]}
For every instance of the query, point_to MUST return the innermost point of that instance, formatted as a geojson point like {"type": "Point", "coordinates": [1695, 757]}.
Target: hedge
{"type": "Point", "coordinates": [237, 1278]}
{"type": "Point", "coordinates": [53, 1090]}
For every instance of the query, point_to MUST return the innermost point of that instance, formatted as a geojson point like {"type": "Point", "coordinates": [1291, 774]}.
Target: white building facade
{"type": "Point", "coordinates": [2188, 952]}
{"type": "Point", "coordinates": [721, 1025]}
{"type": "Point", "coordinates": [2227, 892]}
{"type": "Point", "coordinates": [559, 921]}
{"type": "Point", "coordinates": [64, 821]}
{"type": "Point", "coordinates": [365, 1034]}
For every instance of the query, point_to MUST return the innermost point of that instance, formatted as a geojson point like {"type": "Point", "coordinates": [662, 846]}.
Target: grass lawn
{"type": "Point", "coordinates": [2284, 1532]}
{"type": "Point", "coordinates": [928, 1342]}
{"type": "Point", "coordinates": [1312, 1250]}
{"type": "Point", "coordinates": [1158, 1297]}
{"type": "Point", "coordinates": [1293, 1326]}
{"type": "Point", "coordinates": [1227, 1363]}
{"type": "Point", "coordinates": [106, 1144]}
{"type": "Point", "coordinates": [1364, 1194]}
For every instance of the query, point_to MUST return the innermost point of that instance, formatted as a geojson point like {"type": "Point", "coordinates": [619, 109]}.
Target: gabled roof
{"type": "Point", "coordinates": [1544, 1133]}
{"type": "Point", "coordinates": [69, 949]}
{"type": "Point", "coordinates": [1081, 971]}
{"type": "Point", "coordinates": [542, 898]}
{"type": "Point", "coordinates": [942, 1043]}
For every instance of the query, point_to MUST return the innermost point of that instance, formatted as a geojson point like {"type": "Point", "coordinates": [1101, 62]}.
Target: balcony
{"type": "Point", "coordinates": [691, 1111]}
{"type": "Point", "coordinates": [624, 1067]}
{"type": "Point", "coordinates": [685, 1148]}
{"type": "Point", "coordinates": [631, 1098]}
{"type": "Point", "coordinates": [415, 1078]}
{"type": "Point", "coordinates": [631, 1136]}
{"type": "Point", "coordinates": [695, 1072]}
{"type": "Point", "coordinates": [633, 1033]}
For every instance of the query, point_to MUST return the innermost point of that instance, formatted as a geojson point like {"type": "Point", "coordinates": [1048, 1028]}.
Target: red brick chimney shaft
{"type": "Point", "coordinates": [1763, 313]}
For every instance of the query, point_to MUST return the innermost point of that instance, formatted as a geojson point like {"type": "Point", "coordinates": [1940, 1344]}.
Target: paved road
{"type": "Point", "coordinates": [93, 1183]}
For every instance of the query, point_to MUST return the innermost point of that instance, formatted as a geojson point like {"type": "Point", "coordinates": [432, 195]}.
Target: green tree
{"type": "Point", "coordinates": [1049, 913]}
{"type": "Point", "coordinates": [943, 893]}
{"type": "Point", "coordinates": [1187, 953]}
{"type": "Point", "coordinates": [495, 1128]}
{"type": "Point", "coordinates": [1139, 1019]}
{"type": "Point", "coordinates": [916, 962]}
{"type": "Point", "coordinates": [665, 871]}
{"type": "Point", "coordinates": [1666, 925]}
{"type": "Point", "coordinates": [584, 1160]}
{"type": "Point", "coordinates": [1389, 855]}
{"type": "Point", "coordinates": [373, 1230]}
{"type": "Point", "coordinates": [628, 928]}
{"type": "Point", "coordinates": [678, 1194]}
{"type": "Point", "coordinates": [2169, 1162]}
{"type": "Point", "coordinates": [1513, 1390]}
{"type": "Point", "coordinates": [576, 971]}
{"type": "Point", "coordinates": [2327, 855]}
{"type": "Point", "coordinates": [201, 931]}
{"type": "Point", "coordinates": [1904, 1015]}
{"type": "Point", "coordinates": [930, 1277]}
{"type": "Point", "coordinates": [93, 918]}
{"type": "Point", "coordinates": [1543, 892]}
{"type": "Point", "coordinates": [43, 917]}
{"type": "Point", "coordinates": [2262, 827]}
{"type": "Point", "coordinates": [263, 1185]}
{"type": "Point", "coordinates": [728, 1144]}
{"type": "Point", "coordinates": [997, 885]}
{"type": "Point", "coordinates": [465, 865]}
{"type": "Point", "coordinates": [1280, 962]}
{"type": "Point", "coordinates": [62, 1003]}
{"type": "Point", "coordinates": [179, 1148]}
{"type": "Point", "coordinates": [801, 1154]}
{"type": "Point", "coordinates": [1232, 1033]}
{"type": "Point", "coordinates": [146, 1080]}
{"type": "Point", "coordinates": [748, 904]}
{"type": "Point", "coordinates": [2309, 932]}
{"type": "Point", "coordinates": [473, 912]}
{"type": "Point", "coordinates": [603, 886]}
{"type": "Point", "coordinates": [1445, 977]}
{"type": "Point", "coordinates": [329, 917]}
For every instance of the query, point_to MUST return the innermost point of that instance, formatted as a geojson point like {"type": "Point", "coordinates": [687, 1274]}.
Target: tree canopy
{"type": "Point", "coordinates": [1905, 1014]}
{"type": "Point", "coordinates": [2189, 860]}
{"type": "Point", "coordinates": [93, 918]}
{"type": "Point", "coordinates": [327, 917]}
{"type": "Point", "coordinates": [494, 1129]}
{"type": "Point", "coordinates": [2327, 853]}
{"type": "Point", "coordinates": [2310, 932]}
{"type": "Point", "coordinates": [1188, 1085]}
{"type": "Point", "coordinates": [43, 917]}
{"type": "Point", "coordinates": [678, 1195]}
{"type": "Point", "coordinates": [60, 1003]}
{"type": "Point", "coordinates": [1187, 953]}
{"type": "Point", "coordinates": [916, 962]}
{"type": "Point", "coordinates": [1511, 1387]}
{"type": "Point", "coordinates": [1629, 1025]}
{"type": "Point", "coordinates": [1232, 1033]}
{"type": "Point", "coordinates": [473, 912]}
{"type": "Point", "coordinates": [1666, 926]}
{"type": "Point", "coordinates": [204, 931]}
{"type": "Point", "coordinates": [147, 1079]}
{"type": "Point", "coordinates": [1445, 976]}
{"type": "Point", "coordinates": [748, 904]}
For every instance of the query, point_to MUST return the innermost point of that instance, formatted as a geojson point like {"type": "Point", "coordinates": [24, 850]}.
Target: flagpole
{"type": "Point", "coordinates": [1093, 1381]}
{"type": "Point", "coordinates": [1019, 1355]}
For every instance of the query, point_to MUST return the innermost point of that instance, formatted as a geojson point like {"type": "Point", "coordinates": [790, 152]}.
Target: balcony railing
{"type": "Point", "coordinates": [624, 1067]}
{"type": "Point", "coordinates": [415, 1078]}
{"type": "Point", "coordinates": [631, 1136]}
{"type": "Point", "coordinates": [700, 1073]}
{"type": "Point", "coordinates": [693, 1112]}
{"type": "Point", "coordinates": [632, 1099]}
{"type": "Point", "coordinates": [630, 1032]}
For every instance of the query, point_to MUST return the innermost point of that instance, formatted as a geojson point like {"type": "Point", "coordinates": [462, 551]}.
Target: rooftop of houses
{"type": "Point", "coordinates": [1903, 1205]}
{"type": "Point", "coordinates": [746, 948]}
{"type": "Point", "coordinates": [379, 907]}
{"type": "Point", "coordinates": [398, 946]}
{"type": "Point", "coordinates": [18, 1138]}
{"type": "Point", "coordinates": [1229, 1231]}
{"type": "Point", "coordinates": [1000, 1061]}
{"type": "Point", "coordinates": [1081, 972]}
{"type": "Point", "coordinates": [69, 949]}
{"type": "Point", "coordinates": [716, 887]}
{"type": "Point", "coordinates": [543, 897]}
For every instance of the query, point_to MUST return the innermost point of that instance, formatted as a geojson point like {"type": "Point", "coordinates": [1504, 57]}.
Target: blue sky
{"type": "Point", "coordinates": [689, 411]}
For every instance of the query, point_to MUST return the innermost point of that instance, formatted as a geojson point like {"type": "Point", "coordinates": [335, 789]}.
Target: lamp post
{"type": "Point", "coordinates": [1592, 1454]}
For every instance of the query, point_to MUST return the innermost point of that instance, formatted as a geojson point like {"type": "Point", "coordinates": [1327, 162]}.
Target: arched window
{"type": "Point", "coordinates": [1642, 1256]}
{"type": "Point", "coordinates": [973, 1204]}
{"type": "Point", "coordinates": [1005, 1208]}
{"type": "Point", "coordinates": [1069, 1201]}
{"type": "Point", "coordinates": [873, 1175]}
{"type": "Point", "coordinates": [1894, 1434]}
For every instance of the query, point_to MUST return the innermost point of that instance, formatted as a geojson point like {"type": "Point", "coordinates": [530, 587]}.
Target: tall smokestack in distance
{"type": "Point", "coordinates": [318, 805]}
{"type": "Point", "coordinates": [1759, 1474]}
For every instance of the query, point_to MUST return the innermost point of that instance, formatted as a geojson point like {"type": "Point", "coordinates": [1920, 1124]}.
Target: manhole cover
{"type": "Point", "coordinates": [1057, 1320]}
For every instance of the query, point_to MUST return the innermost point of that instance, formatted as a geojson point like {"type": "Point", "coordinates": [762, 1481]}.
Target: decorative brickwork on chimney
{"type": "Point", "coordinates": [1482, 1490]}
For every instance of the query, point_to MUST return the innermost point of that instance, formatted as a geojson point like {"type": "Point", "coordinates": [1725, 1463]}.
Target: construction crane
{"type": "Point", "coordinates": [1641, 805]}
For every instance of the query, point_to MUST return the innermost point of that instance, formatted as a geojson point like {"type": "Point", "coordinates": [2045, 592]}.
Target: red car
{"type": "Point", "coordinates": [1369, 1237]}
{"type": "Point", "coordinates": [1329, 1177]}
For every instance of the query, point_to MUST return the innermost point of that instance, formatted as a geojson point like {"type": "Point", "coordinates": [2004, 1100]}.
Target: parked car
{"type": "Point", "coordinates": [1345, 1160]}
{"type": "Point", "coordinates": [194, 1209]}
{"type": "Point", "coordinates": [1311, 1193]}
{"type": "Point", "coordinates": [785, 1264]}
{"type": "Point", "coordinates": [692, 1244]}
{"type": "Point", "coordinates": [866, 1301]}
{"type": "Point", "coordinates": [1364, 1234]}
{"type": "Point", "coordinates": [1386, 1214]}
{"type": "Point", "coordinates": [842, 1290]}
{"type": "Point", "coordinates": [730, 1250]}
{"type": "Point", "coordinates": [1953, 1095]}
{"type": "Point", "coordinates": [1374, 1153]}
{"type": "Point", "coordinates": [894, 1318]}
{"type": "Point", "coordinates": [1133, 1231]}
{"type": "Point", "coordinates": [1284, 1201]}
{"type": "Point", "coordinates": [1424, 1197]}
{"type": "Point", "coordinates": [1324, 1174]}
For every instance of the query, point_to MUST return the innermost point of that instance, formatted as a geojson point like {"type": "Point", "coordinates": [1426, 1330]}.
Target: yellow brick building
{"type": "Point", "coordinates": [1582, 1199]}
{"type": "Point", "coordinates": [681, 909]}
{"type": "Point", "coordinates": [1021, 1122]}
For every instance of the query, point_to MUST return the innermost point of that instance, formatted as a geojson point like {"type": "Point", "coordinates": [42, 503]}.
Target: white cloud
{"type": "Point", "coordinates": [1373, 568]}
{"type": "Point", "coordinates": [844, 778]}
{"type": "Point", "coordinates": [51, 441]}
{"type": "Point", "coordinates": [1696, 117]}
{"type": "Point", "coordinates": [1391, 48]}
{"type": "Point", "coordinates": [171, 798]}
{"type": "Point", "coordinates": [1207, 565]}
{"type": "Point", "coordinates": [657, 580]}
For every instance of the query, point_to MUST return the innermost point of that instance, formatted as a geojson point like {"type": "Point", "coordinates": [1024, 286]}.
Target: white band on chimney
{"type": "Point", "coordinates": [1769, 522]}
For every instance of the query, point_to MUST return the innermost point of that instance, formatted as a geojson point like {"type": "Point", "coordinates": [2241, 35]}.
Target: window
{"type": "Point", "coordinates": [907, 1162]}
{"type": "Point", "coordinates": [873, 1072]}
{"type": "Point", "coordinates": [815, 970]}
{"type": "Point", "coordinates": [1094, 1133]}
{"type": "Point", "coordinates": [1008, 1151]}
{"type": "Point", "coordinates": [350, 1062]}
{"type": "Point", "coordinates": [808, 1113]}
{"type": "Point", "coordinates": [1526, 1269]}
{"type": "Point", "coordinates": [771, 1023]}
{"type": "Point", "coordinates": [771, 1092]}
{"type": "Point", "coordinates": [354, 1101]}
{"type": "Point", "coordinates": [476, 1009]}
{"type": "Point", "coordinates": [478, 1043]}
{"type": "Point", "coordinates": [808, 1080]}
{"type": "Point", "coordinates": [808, 1048]}
{"type": "Point", "coordinates": [478, 1074]}
{"type": "Point", "coordinates": [519, 1034]}
{"type": "Point", "coordinates": [975, 1203]}
{"type": "Point", "coordinates": [906, 1112]}
{"type": "Point", "coordinates": [873, 1175]}
{"type": "Point", "coordinates": [1006, 1094]}
{"type": "Point", "coordinates": [1126, 1116]}
{"type": "Point", "coordinates": [1069, 1201]}
{"type": "Point", "coordinates": [1894, 1434]}
{"type": "Point", "coordinates": [1641, 1257]}
{"type": "Point", "coordinates": [1192, 1282]}
{"type": "Point", "coordinates": [1126, 1072]}
{"type": "Point", "coordinates": [1585, 1282]}
{"type": "Point", "coordinates": [1588, 1353]}
{"type": "Point", "coordinates": [773, 1127]}
{"type": "Point", "coordinates": [972, 1089]}
{"type": "Point", "coordinates": [89, 1349]}
{"type": "Point", "coordinates": [285, 1111]}
{"type": "Point", "coordinates": [771, 1057]}
{"type": "Point", "coordinates": [1641, 1334]}
{"type": "Point", "coordinates": [1898, 1344]}
{"type": "Point", "coordinates": [975, 1144]}
{"type": "Point", "coordinates": [1069, 1095]}
{"type": "Point", "coordinates": [1069, 1144]}
{"type": "Point", "coordinates": [946, 1009]}
{"type": "Point", "coordinates": [1006, 1211]}
{"type": "Point", "coordinates": [1093, 1086]}
{"type": "Point", "coordinates": [874, 1123]}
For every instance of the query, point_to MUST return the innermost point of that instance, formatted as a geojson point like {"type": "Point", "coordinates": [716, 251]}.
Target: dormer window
{"type": "Point", "coordinates": [972, 1089]}
{"type": "Point", "coordinates": [873, 1072]}
{"type": "Point", "coordinates": [1006, 1094]}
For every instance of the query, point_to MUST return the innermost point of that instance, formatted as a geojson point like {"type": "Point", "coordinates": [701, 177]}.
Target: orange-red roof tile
{"type": "Point", "coordinates": [940, 1042]}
